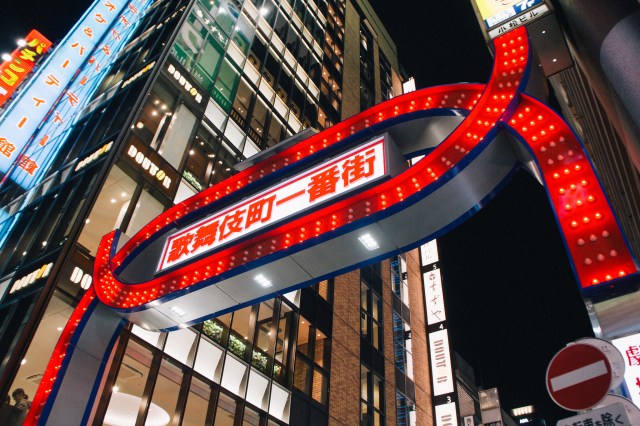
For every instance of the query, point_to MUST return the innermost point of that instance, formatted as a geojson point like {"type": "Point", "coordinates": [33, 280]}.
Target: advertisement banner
{"type": "Point", "coordinates": [23, 59]}
{"type": "Point", "coordinates": [62, 86]}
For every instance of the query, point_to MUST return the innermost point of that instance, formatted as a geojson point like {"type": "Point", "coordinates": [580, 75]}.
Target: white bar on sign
{"type": "Point", "coordinates": [580, 375]}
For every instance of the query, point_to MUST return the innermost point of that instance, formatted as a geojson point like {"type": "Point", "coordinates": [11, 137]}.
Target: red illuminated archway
{"type": "Point", "coordinates": [595, 244]}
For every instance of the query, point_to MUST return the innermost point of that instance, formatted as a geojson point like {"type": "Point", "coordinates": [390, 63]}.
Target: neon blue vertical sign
{"type": "Point", "coordinates": [34, 125]}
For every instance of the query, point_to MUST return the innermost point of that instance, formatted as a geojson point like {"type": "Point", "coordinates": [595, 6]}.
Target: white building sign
{"type": "Point", "coordinates": [358, 167]}
{"type": "Point", "coordinates": [433, 296]}
{"type": "Point", "coordinates": [442, 371]}
{"type": "Point", "coordinates": [629, 347]}
{"type": "Point", "coordinates": [523, 19]}
{"type": "Point", "coordinates": [446, 415]}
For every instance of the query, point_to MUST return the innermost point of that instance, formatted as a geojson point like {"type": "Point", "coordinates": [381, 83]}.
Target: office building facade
{"type": "Point", "coordinates": [199, 87]}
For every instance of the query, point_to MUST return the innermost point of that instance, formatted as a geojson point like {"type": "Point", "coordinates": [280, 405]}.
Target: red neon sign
{"type": "Point", "coordinates": [592, 236]}
{"type": "Point", "coordinates": [23, 59]}
{"type": "Point", "coordinates": [322, 183]}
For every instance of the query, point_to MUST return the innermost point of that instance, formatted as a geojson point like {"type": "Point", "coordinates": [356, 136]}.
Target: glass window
{"type": "Point", "coordinates": [243, 34]}
{"type": "Point", "coordinates": [301, 376]}
{"type": "Point", "coordinates": [371, 398]}
{"type": "Point", "coordinates": [130, 384]}
{"type": "Point", "coordinates": [189, 41]}
{"type": "Point", "coordinates": [226, 411]}
{"type": "Point", "coordinates": [180, 345]}
{"type": "Point", "coordinates": [109, 210]}
{"type": "Point", "coordinates": [263, 349]}
{"type": "Point", "coordinates": [217, 328]}
{"type": "Point", "coordinates": [147, 208]}
{"type": "Point", "coordinates": [303, 336]}
{"type": "Point", "coordinates": [370, 315]}
{"type": "Point", "coordinates": [242, 103]}
{"type": "Point", "coordinates": [241, 332]}
{"type": "Point", "coordinates": [322, 350]}
{"type": "Point", "coordinates": [258, 121]}
{"type": "Point", "coordinates": [196, 409]}
{"type": "Point", "coordinates": [208, 62]}
{"type": "Point", "coordinates": [319, 389]}
{"type": "Point", "coordinates": [226, 85]}
{"type": "Point", "coordinates": [258, 390]}
{"type": "Point", "coordinates": [53, 322]}
{"type": "Point", "coordinates": [276, 130]}
{"type": "Point", "coordinates": [268, 11]}
{"type": "Point", "coordinates": [178, 135]}
{"type": "Point", "coordinates": [166, 391]}
{"type": "Point", "coordinates": [258, 53]}
{"type": "Point", "coordinates": [251, 417]}
{"type": "Point", "coordinates": [228, 15]}
{"type": "Point", "coordinates": [286, 318]}
{"type": "Point", "coordinates": [234, 375]}
{"type": "Point", "coordinates": [281, 25]}
{"type": "Point", "coordinates": [209, 360]}
{"type": "Point", "coordinates": [155, 114]}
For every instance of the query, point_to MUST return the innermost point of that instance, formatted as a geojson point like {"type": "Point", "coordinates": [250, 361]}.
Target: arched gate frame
{"type": "Point", "coordinates": [487, 132]}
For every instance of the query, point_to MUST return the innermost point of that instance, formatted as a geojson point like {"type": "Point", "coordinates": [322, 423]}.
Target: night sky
{"type": "Point", "coordinates": [512, 299]}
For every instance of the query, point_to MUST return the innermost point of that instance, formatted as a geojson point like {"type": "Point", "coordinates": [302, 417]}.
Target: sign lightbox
{"type": "Point", "coordinates": [494, 12]}
{"type": "Point", "coordinates": [23, 59]}
{"type": "Point", "coordinates": [327, 181]}
{"type": "Point", "coordinates": [629, 346]}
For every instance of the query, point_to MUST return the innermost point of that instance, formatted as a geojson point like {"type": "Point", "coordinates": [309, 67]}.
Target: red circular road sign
{"type": "Point", "coordinates": [578, 377]}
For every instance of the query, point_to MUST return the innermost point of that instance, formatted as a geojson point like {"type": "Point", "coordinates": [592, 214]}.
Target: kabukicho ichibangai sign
{"type": "Point", "coordinates": [325, 182]}
{"type": "Point", "coordinates": [347, 198]}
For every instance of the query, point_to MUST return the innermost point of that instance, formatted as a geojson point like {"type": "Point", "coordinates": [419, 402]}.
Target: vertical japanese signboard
{"type": "Point", "coordinates": [629, 346]}
{"type": "Point", "coordinates": [34, 125]}
{"type": "Point", "coordinates": [23, 59]}
{"type": "Point", "coordinates": [442, 378]}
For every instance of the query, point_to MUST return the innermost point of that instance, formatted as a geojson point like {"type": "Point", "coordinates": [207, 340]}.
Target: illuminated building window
{"type": "Point", "coordinates": [371, 398]}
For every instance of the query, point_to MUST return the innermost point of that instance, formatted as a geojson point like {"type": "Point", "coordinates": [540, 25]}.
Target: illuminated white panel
{"type": "Point", "coordinates": [179, 344]}
{"type": "Point", "coordinates": [327, 181]}
{"type": "Point", "coordinates": [151, 337]}
{"type": "Point", "coordinates": [433, 296]}
{"type": "Point", "coordinates": [279, 404]}
{"type": "Point", "coordinates": [446, 414]}
{"type": "Point", "coordinates": [208, 360]}
{"type": "Point", "coordinates": [429, 253]}
{"type": "Point", "coordinates": [441, 370]}
{"type": "Point", "coordinates": [233, 375]}
{"type": "Point", "coordinates": [257, 389]}
{"type": "Point", "coordinates": [629, 347]}
{"type": "Point", "coordinates": [494, 12]}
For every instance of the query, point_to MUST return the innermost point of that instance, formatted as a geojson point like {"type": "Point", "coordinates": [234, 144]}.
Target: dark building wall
{"type": "Point", "coordinates": [605, 34]}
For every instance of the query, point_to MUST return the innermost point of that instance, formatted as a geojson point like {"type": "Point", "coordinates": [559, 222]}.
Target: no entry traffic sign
{"type": "Point", "coordinates": [578, 377]}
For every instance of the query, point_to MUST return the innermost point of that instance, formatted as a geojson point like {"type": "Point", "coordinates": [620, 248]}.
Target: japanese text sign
{"type": "Point", "coordinates": [629, 346]}
{"type": "Point", "coordinates": [612, 415]}
{"type": "Point", "coordinates": [353, 169]}
{"type": "Point", "coordinates": [523, 19]}
{"type": "Point", "coordinates": [53, 132]}
{"type": "Point", "coordinates": [23, 59]}
{"type": "Point", "coordinates": [433, 296]}
{"type": "Point", "coordinates": [92, 34]}
{"type": "Point", "coordinates": [494, 12]}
